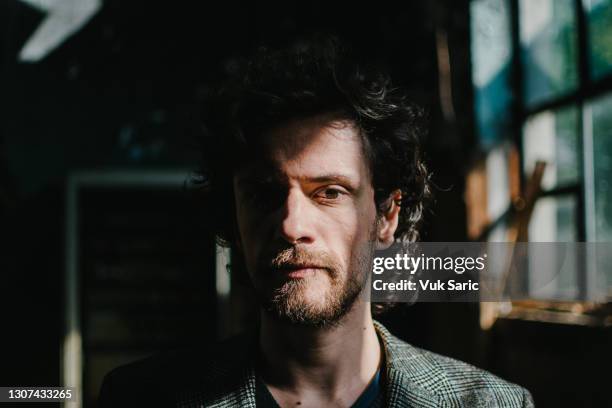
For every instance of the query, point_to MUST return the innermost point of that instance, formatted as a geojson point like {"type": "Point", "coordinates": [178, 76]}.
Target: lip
{"type": "Point", "coordinates": [300, 271]}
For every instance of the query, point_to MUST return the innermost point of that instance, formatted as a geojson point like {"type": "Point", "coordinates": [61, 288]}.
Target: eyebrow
{"type": "Point", "coordinates": [324, 178]}
{"type": "Point", "coordinates": [332, 177]}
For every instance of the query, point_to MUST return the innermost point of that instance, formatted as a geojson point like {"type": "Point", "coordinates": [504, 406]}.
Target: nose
{"type": "Point", "coordinates": [295, 225]}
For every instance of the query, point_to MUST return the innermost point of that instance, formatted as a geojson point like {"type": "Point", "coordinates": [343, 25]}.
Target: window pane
{"type": "Point", "coordinates": [549, 48]}
{"type": "Point", "coordinates": [491, 53]}
{"type": "Point", "coordinates": [601, 110]}
{"type": "Point", "coordinates": [599, 16]}
{"type": "Point", "coordinates": [601, 203]}
{"type": "Point", "coordinates": [552, 136]}
{"type": "Point", "coordinates": [554, 220]}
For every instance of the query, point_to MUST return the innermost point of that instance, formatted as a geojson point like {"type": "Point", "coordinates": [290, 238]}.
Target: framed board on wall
{"type": "Point", "coordinates": [140, 273]}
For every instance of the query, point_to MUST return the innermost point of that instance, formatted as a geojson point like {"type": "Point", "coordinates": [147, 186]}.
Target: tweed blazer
{"type": "Point", "coordinates": [225, 377]}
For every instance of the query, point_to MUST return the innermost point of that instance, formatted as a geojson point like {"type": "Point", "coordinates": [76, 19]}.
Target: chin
{"type": "Point", "coordinates": [304, 317]}
{"type": "Point", "coordinates": [300, 303]}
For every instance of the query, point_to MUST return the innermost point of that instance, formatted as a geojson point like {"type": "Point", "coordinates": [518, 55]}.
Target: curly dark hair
{"type": "Point", "coordinates": [310, 77]}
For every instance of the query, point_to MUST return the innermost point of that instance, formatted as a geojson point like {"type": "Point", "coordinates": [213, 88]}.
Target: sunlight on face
{"type": "Point", "coordinates": [307, 220]}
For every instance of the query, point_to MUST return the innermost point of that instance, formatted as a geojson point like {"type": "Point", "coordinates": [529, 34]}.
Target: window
{"type": "Point", "coordinates": [542, 78]}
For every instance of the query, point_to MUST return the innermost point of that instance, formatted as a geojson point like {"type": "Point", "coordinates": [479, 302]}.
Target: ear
{"type": "Point", "coordinates": [387, 223]}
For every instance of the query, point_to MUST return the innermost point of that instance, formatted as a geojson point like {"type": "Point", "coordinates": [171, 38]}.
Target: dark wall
{"type": "Point", "coordinates": [124, 92]}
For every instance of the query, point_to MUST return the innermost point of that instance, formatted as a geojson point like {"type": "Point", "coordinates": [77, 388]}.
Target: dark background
{"type": "Point", "coordinates": [124, 92]}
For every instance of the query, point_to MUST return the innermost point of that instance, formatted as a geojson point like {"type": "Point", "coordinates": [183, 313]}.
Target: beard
{"type": "Point", "coordinates": [319, 300]}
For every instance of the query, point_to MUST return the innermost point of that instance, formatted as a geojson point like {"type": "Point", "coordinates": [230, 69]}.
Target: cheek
{"type": "Point", "coordinates": [350, 231]}
{"type": "Point", "coordinates": [366, 217]}
{"type": "Point", "coordinates": [255, 234]}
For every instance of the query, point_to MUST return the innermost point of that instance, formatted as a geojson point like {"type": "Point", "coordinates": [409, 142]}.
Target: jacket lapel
{"type": "Point", "coordinates": [243, 395]}
{"type": "Point", "coordinates": [404, 374]}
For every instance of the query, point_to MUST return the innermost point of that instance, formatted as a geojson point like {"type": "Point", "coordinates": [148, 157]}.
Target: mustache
{"type": "Point", "coordinates": [297, 257]}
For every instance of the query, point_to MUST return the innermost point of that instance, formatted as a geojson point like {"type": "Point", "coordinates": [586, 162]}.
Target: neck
{"type": "Point", "coordinates": [332, 363]}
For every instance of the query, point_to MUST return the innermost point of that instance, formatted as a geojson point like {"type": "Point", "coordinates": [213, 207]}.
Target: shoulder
{"type": "Point", "coordinates": [456, 381]}
{"type": "Point", "coordinates": [452, 382]}
{"type": "Point", "coordinates": [157, 380]}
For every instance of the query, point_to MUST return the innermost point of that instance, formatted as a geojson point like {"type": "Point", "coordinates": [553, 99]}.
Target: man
{"type": "Point", "coordinates": [311, 164]}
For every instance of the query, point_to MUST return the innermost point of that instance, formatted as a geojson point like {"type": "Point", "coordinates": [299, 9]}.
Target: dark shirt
{"type": "Point", "coordinates": [371, 397]}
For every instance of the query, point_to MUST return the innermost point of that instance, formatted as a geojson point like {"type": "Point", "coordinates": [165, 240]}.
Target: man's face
{"type": "Point", "coordinates": [307, 220]}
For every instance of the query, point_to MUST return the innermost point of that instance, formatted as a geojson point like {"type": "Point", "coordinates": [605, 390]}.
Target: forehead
{"type": "Point", "coordinates": [312, 147]}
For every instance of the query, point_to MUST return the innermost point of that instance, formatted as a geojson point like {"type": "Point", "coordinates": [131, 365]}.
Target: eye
{"type": "Point", "coordinates": [330, 194]}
